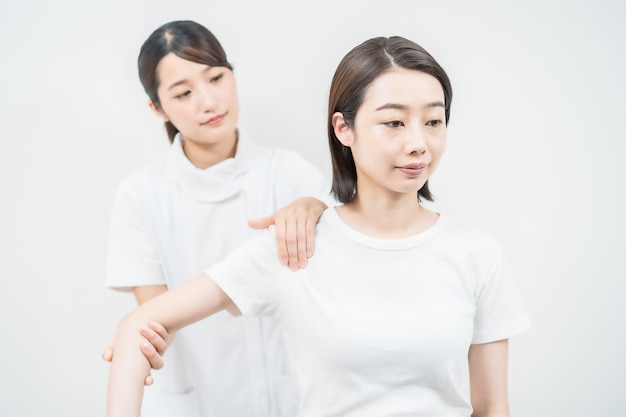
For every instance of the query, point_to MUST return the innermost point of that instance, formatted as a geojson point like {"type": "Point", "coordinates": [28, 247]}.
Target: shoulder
{"type": "Point", "coordinates": [469, 238]}
{"type": "Point", "coordinates": [293, 168]}
{"type": "Point", "coordinates": [278, 156]}
{"type": "Point", "coordinates": [139, 189]}
{"type": "Point", "coordinates": [144, 178]}
{"type": "Point", "coordinates": [289, 156]}
{"type": "Point", "coordinates": [466, 232]}
{"type": "Point", "coordinates": [259, 253]}
{"type": "Point", "coordinates": [282, 158]}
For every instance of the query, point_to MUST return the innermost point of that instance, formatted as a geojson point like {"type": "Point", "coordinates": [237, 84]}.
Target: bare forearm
{"type": "Point", "coordinates": [127, 372]}
{"type": "Point", "coordinates": [194, 300]}
{"type": "Point", "coordinates": [188, 303]}
{"type": "Point", "coordinates": [129, 365]}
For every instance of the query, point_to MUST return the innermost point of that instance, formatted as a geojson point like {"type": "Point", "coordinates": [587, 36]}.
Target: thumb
{"type": "Point", "coordinates": [262, 223]}
{"type": "Point", "coordinates": [107, 354]}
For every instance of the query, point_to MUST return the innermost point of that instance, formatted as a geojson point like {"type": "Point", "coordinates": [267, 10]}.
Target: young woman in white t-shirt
{"type": "Point", "coordinates": [176, 216]}
{"type": "Point", "coordinates": [402, 311]}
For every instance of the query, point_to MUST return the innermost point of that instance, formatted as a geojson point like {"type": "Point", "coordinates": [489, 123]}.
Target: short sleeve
{"type": "Point", "coordinates": [500, 313]}
{"type": "Point", "coordinates": [132, 254]}
{"type": "Point", "coordinates": [248, 275]}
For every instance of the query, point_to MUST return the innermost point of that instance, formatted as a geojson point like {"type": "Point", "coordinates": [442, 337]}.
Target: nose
{"type": "Point", "coordinates": [207, 99]}
{"type": "Point", "coordinates": [416, 141]}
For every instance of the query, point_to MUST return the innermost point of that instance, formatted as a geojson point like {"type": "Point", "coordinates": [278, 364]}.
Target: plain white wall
{"type": "Point", "coordinates": [536, 155]}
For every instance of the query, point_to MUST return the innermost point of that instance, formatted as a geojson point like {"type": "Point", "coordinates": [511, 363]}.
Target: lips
{"type": "Point", "coordinates": [213, 121]}
{"type": "Point", "coordinates": [413, 170]}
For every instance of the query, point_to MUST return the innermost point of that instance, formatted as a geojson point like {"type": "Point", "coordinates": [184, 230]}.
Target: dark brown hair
{"type": "Point", "coordinates": [187, 40]}
{"type": "Point", "coordinates": [355, 73]}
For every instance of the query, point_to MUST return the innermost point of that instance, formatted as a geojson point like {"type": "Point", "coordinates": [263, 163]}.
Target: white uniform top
{"type": "Point", "coordinates": [169, 221]}
{"type": "Point", "coordinates": [378, 327]}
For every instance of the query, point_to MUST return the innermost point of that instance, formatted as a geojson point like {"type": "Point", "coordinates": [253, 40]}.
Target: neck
{"type": "Point", "coordinates": [205, 155]}
{"type": "Point", "coordinates": [392, 217]}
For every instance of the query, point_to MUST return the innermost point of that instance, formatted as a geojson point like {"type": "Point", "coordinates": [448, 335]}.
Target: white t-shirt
{"type": "Point", "coordinates": [377, 327]}
{"type": "Point", "coordinates": [169, 221]}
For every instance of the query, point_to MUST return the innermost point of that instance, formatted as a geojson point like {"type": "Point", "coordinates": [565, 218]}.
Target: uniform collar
{"type": "Point", "coordinates": [217, 183]}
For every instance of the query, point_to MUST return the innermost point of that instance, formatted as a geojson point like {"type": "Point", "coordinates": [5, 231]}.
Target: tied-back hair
{"type": "Point", "coordinates": [355, 73]}
{"type": "Point", "coordinates": [187, 40]}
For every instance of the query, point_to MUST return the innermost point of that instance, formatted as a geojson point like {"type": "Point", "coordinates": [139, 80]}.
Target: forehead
{"type": "Point", "coordinates": [173, 67]}
{"type": "Point", "coordinates": [405, 87]}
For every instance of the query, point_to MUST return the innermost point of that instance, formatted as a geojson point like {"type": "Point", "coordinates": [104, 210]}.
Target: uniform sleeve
{"type": "Point", "coordinates": [249, 275]}
{"type": "Point", "coordinates": [297, 177]}
{"type": "Point", "coordinates": [132, 255]}
{"type": "Point", "coordinates": [500, 313]}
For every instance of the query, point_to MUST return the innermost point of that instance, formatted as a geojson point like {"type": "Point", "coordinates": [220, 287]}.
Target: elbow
{"type": "Point", "coordinates": [129, 328]}
{"type": "Point", "coordinates": [130, 321]}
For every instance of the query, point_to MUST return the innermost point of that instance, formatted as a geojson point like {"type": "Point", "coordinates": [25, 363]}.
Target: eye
{"type": "Point", "coordinates": [434, 123]}
{"type": "Point", "coordinates": [217, 78]}
{"type": "Point", "coordinates": [183, 95]}
{"type": "Point", "coordinates": [394, 123]}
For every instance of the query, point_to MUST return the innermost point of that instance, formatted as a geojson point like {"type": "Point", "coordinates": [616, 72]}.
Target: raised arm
{"type": "Point", "coordinates": [295, 240]}
{"type": "Point", "coordinates": [294, 230]}
{"type": "Point", "coordinates": [488, 365]}
{"type": "Point", "coordinates": [192, 301]}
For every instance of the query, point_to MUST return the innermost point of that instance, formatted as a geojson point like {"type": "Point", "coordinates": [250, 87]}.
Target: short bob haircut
{"type": "Point", "coordinates": [186, 39]}
{"type": "Point", "coordinates": [355, 73]}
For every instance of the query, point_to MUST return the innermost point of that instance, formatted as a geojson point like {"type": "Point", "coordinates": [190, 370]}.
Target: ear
{"type": "Point", "coordinates": [343, 132]}
{"type": "Point", "coordinates": [157, 110]}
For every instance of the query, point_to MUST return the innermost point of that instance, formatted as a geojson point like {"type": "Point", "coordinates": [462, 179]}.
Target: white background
{"type": "Point", "coordinates": [536, 155]}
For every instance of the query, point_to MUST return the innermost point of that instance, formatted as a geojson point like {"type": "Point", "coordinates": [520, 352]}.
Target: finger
{"type": "Point", "coordinates": [107, 354]}
{"type": "Point", "coordinates": [161, 331]}
{"type": "Point", "coordinates": [148, 381]}
{"type": "Point", "coordinates": [310, 237]}
{"type": "Point", "coordinates": [302, 243]}
{"type": "Point", "coordinates": [155, 339]}
{"type": "Point", "coordinates": [262, 223]}
{"type": "Point", "coordinates": [291, 240]}
{"type": "Point", "coordinates": [281, 242]}
{"type": "Point", "coordinates": [148, 350]}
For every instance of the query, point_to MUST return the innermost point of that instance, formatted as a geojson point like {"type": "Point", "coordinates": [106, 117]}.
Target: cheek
{"type": "Point", "coordinates": [234, 102]}
{"type": "Point", "coordinates": [375, 158]}
{"type": "Point", "coordinates": [438, 145]}
{"type": "Point", "coordinates": [174, 115]}
{"type": "Point", "coordinates": [182, 116]}
{"type": "Point", "coordinates": [229, 93]}
{"type": "Point", "coordinates": [441, 147]}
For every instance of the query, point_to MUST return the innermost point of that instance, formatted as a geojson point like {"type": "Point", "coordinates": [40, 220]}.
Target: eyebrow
{"type": "Point", "coordinates": [404, 107]}
{"type": "Point", "coordinates": [183, 81]}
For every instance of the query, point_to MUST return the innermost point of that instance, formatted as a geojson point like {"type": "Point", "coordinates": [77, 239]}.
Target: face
{"type": "Point", "coordinates": [399, 133]}
{"type": "Point", "coordinates": [201, 101]}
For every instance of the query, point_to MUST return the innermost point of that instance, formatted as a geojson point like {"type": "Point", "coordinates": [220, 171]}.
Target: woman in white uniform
{"type": "Point", "coordinates": [173, 218]}
{"type": "Point", "coordinates": [402, 311]}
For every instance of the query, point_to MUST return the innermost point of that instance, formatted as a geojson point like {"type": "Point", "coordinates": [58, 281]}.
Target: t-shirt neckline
{"type": "Point", "coordinates": [333, 218]}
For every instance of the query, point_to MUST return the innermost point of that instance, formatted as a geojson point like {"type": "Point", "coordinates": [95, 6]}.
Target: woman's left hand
{"type": "Point", "coordinates": [157, 341]}
{"type": "Point", "coordinates": [295, 230]}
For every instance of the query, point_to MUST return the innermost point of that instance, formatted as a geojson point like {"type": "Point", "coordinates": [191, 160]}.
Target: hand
{"type": "Point", "coordinates": [157, 340]}
{"type": "Point", "coordinates": [295, 230]}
